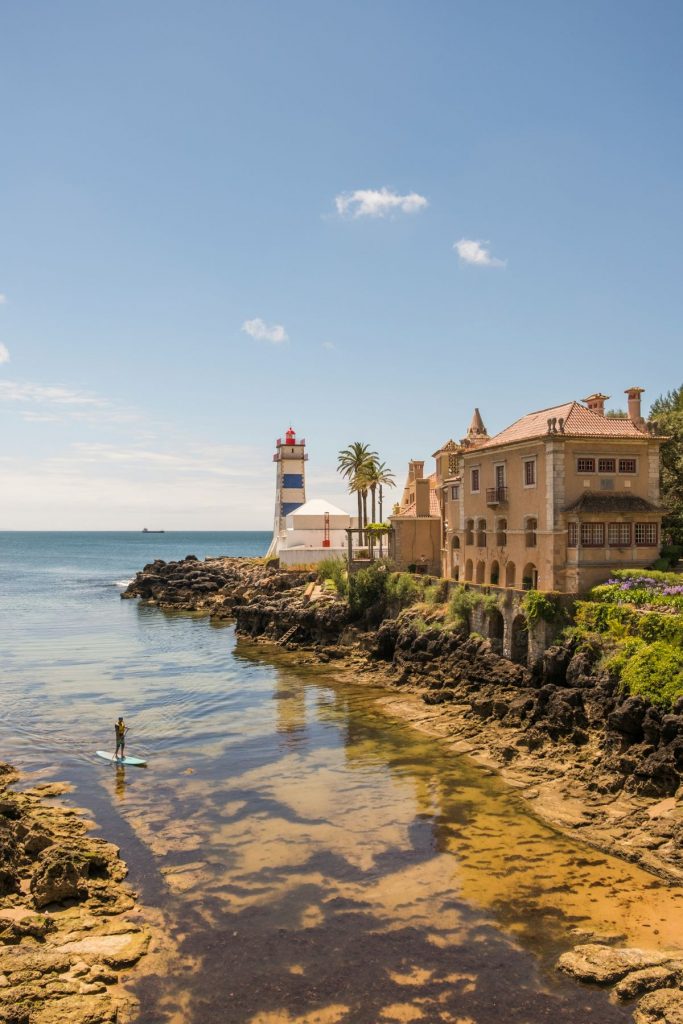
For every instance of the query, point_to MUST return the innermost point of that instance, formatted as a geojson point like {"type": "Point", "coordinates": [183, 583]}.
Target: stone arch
{"type": "Point", "coordinates": [495, 624]}
{"type": "Point", "coordinates": [494, 575]}
{"type": "Point", "coordinates": [481, 533]}
{"type": "Point", "coordinates": [530, 577]}
{"type": "Point", "coordinates": [481, 572]}
{"type": "Point", "coordinates": [519, 641]}
{"type": "Point", "coordinates": [455, 543]}
{"type": "Point", "coordinates": [468, 570]}
{"type": "Point", "coordinates": [510, 573]}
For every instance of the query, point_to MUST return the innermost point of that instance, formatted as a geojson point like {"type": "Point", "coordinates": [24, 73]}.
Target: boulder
{"type": "Point", "coordinates": [57, 877]}
{"type": "Point", "coordinates": [9, 858]}
{"type": "Point", "coordinates": [627, 718]}
{"type": "Point", "coordinates": [650, 978]}
{"type": "Point", "coordinates": [665, 1006]}
{"type": "Point", "coordinates": [606, 964]}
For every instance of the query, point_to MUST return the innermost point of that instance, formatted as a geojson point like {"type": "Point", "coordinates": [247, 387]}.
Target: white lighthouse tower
{"type": "Point", "coordinates": [290, 484]}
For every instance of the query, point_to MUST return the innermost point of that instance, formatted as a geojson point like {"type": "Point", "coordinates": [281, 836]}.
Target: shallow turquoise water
{"type": "Point", "coordinates": [317, 861]}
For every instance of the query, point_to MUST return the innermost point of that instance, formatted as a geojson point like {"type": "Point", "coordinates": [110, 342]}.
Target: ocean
{"type": "Point", "coordinates": [312, 858]}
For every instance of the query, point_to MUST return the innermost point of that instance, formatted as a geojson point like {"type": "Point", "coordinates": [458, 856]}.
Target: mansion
{"type": "Point", "coordinates": [554, 502]}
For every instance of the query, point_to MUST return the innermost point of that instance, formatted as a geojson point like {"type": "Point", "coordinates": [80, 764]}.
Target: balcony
{"type": "Point", "coordinates": [496, 495]}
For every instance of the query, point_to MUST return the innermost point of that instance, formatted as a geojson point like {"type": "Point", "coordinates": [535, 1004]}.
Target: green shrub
{"type": "Point", "coordinates": [462, 603]}
{"type": "Point", "coordinates": [490, 603]}
{"type": "Point", "coordinates": [539, 605]}
{"type": "Point", "coordinates": [367, 589]}
{"type": "Point", "coordinates": [653, 671]}
{"type": "Point", "coordinates": [403, 589]}
{"type": "Point", "coordinates": [334, 570]}
{"type": "Point", "coordinates": [436, 593]}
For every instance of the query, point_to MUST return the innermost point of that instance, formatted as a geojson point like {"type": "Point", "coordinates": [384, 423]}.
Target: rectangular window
{"type": "Point", "coordinates": [627, 465]}
{"type": "Point", "coordinates": [530, 473]}
{"type": "Point", "coordinates": [585, 465]}
{"type": "Point", "coordinates": [619, 535]}
{"type": "Point", "coordinates": [592, 535]}
{"type": "Point", "coordinates": [607, 465]}
{"type": "Point", "coordinates": [646, 535]}
{"type": "Point", "coordinates": [455, 492]}
{"type": "Point", "coordinates": [572, 534]}
{"type": "Point", "coordinates": [475, 481]}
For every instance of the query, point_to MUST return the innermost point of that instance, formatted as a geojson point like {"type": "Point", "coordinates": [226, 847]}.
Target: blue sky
{"type": "Point", "coordinates": [217, 218]}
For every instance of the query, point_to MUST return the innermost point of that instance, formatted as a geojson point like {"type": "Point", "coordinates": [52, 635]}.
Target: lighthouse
{"type": "Point", "coordinates": [290, 483]}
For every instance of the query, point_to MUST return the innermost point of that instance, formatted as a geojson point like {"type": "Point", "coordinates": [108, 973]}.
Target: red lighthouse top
{"type": "Point", "coordinates": [290, 436]}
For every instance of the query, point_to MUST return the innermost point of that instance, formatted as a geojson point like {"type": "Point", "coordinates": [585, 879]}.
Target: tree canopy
{"type": "Point", "coordinates": [667, 412]}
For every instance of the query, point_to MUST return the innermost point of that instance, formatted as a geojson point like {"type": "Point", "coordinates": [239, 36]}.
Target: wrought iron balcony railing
{"type": "Point", "coordinates": [496, 495]}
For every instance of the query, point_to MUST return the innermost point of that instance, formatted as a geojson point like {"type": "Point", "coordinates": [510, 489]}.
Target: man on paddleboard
{"type": "Point", "coordinates": [120, 730]}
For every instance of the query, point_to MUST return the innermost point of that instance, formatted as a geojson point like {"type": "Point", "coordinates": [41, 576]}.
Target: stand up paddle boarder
{"type": "Point", "coordinates": [120, 730]}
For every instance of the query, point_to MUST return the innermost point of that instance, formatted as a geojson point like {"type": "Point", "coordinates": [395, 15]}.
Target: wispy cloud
{"type": "Point", "coordinates": [61, 402]}
{"type": "Point", "coordinates": [4, 354]}
{"type": "Point", "coordinates": [3, 299]}
{"type": "Point", "coordinates": [476, 253]}
{"type": "Point", "coordinates": [24, 391]}
{"type": "Point", "coordinates": [261, 331]}
{"type": "Point", "coordinates": [370, 202]}
{"type": "Point", "coordinates": [329, 345]}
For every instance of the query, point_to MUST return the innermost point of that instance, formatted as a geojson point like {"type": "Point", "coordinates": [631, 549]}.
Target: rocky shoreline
{"type": "Point", "coordinates": [69, 925]}
{"type": "Point", "coordinates": [588, 759]}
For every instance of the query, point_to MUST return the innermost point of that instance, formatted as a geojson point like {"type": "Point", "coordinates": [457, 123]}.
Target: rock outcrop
{"type": "Point", "coordinates": [63, 933]}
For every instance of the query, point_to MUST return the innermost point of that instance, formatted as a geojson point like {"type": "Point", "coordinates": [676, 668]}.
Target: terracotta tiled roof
{"type": "Point", "coordinates": [592, 502]}
{"type": "Point", "coordinates": [578, 422]}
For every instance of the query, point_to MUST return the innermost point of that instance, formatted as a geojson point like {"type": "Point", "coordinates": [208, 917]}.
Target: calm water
{"type": "Point", "coordinates": [313, 861]}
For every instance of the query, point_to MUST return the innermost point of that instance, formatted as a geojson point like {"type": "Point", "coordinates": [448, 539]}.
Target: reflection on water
{"type": "Point", "coordinates": [315, 861]}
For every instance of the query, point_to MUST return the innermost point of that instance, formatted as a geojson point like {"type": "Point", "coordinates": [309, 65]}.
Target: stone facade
{"type": "Point", "coordinates": [555, 502]}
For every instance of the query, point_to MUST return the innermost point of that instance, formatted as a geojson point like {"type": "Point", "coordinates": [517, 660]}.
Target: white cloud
{"type": "Point", "coordinates": [329, 345]}
{"type": "Point", "coordinates": [62, 402]}
{"type": "Point", "coordinates": [260, 330]}
{"type": "Point", "coordinates": [3, 299]}
{"type": "Point", "coordinates": [4, 354]}
{"type": "Point", "coordinates": [369, 202]}
{"type": "Point", "coordinates": [474, 252]}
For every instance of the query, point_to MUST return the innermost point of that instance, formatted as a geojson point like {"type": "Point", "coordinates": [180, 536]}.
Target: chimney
{"type": "Point", "coordinates": [596, 403]}
{"type": "Point", "coordinates": [422, 497]}
{"type": "Point", "coordinates": [634, 407]}
{"type": "Point", "coordinates": [416, 469]}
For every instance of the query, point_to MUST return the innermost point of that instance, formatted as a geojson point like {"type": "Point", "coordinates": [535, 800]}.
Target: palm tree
{"type": "Point", "coordinates": [377, 475]}
{"type": "Point", "coordinates": [353, 462]}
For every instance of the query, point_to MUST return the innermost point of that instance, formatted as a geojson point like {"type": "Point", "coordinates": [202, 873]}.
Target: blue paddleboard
{"type": "Point", "coordinates": [134, 762]}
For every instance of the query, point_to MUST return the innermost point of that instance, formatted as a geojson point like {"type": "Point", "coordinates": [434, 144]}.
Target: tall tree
{"type": "Point", "coordinates": [352, 463]}
{"type": "Point", "coordinates": [667, 411]}
{"type": "Point", "coordinates": [378, 475]}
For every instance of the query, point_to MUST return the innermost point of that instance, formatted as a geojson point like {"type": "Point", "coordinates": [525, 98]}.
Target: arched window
{"type": "Point", "coordinates": [510, 573]}
{"type": "Point", "coordinates": [481, 533]}
{"type": "Point", "coordinates": [494, 575]}
{"type": "Point", "coordinates": [468, 570]}
{"type": "Point", "coordinates": [469, 531]}
{"type": "Point", "coordinates": [530, 527]}
{"type": "Point", "coordinates": [530, 577]}
{"type": "Point", "coordinates": [455, 542]}
{"type": "Point", "coordinates": [501, 533]}
{"type": "Point", "coordinates": [481, 572]}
